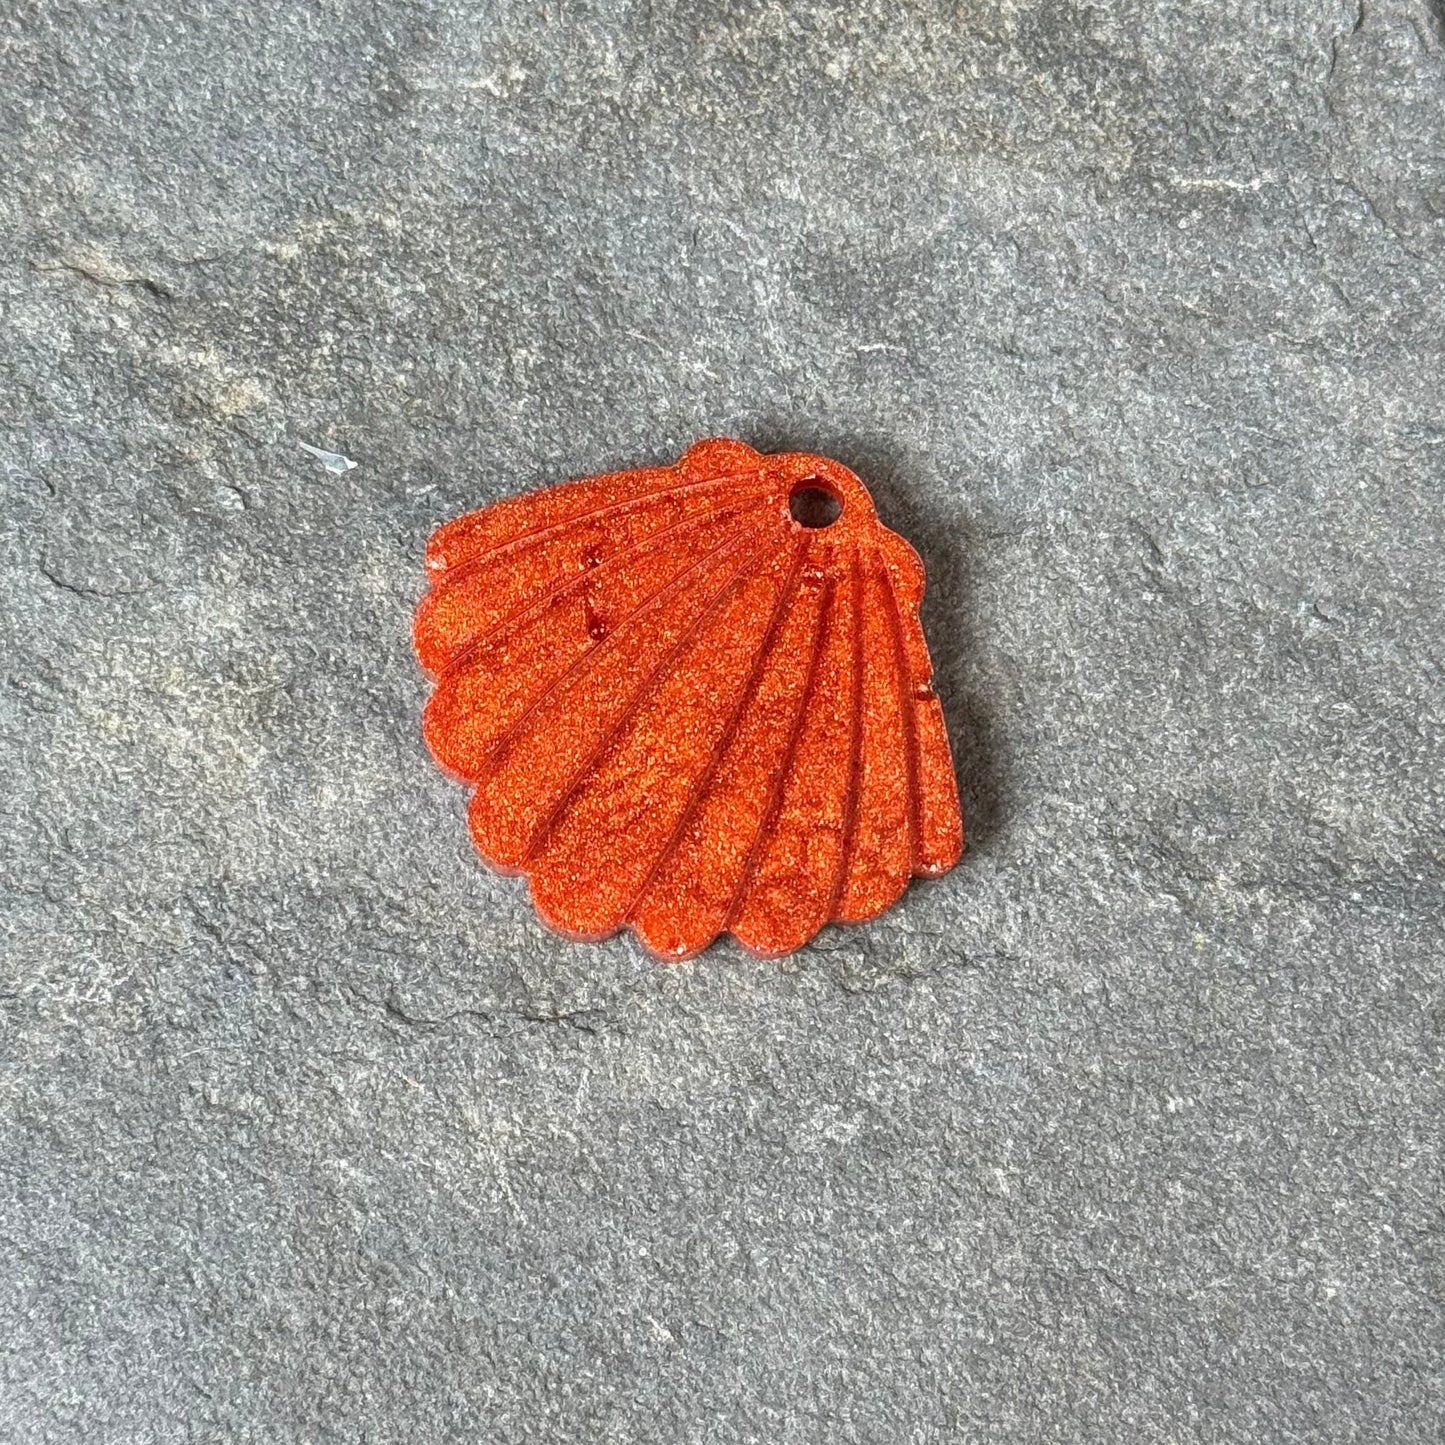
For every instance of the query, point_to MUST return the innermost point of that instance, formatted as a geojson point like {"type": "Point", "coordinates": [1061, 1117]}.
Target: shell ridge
{"type": "Point", "coordinates": [785, 763]}
{"type": "Point", "coordinates": [588, 872]}
{"type": "Point", "coordinates": [534, 534]}
{"type": "Point", "coordinates": [649, 684]}
{"type": "Point", "coordinates": [906, 704]}
{"type": "Point", "coordinates": [855, 743]}
{"type": "Point", "coordinates": [653, 599]}
{"type": "Point", "coordinates": [787, 594]}
{"type": "Point", "coordinates": [538, 604]}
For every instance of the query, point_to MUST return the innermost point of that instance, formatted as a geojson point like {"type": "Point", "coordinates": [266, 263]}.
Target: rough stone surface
{"type": "Point", "coordinates": [1132, 315]}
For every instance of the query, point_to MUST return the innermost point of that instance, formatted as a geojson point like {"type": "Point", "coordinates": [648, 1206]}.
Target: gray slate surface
{"type": "Point", "coordinates": [1128, 1130]}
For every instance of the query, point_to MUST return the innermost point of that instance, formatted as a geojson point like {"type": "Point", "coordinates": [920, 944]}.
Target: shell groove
{"type": "Point", "coordinates": [684, 711]}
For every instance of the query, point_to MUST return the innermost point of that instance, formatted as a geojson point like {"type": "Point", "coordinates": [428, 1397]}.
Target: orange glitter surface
{"type": "Point", "coordinates": [687, 706]}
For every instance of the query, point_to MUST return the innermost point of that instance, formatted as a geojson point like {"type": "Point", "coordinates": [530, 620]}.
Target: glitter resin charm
{"type": "Point", "coordinates": [692, 700]}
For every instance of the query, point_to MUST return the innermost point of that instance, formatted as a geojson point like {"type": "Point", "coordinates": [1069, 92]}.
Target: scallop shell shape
{"type": "Point", "coordinates": [683, 710]}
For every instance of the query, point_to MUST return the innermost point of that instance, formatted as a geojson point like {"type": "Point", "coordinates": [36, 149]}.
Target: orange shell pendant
{"type": "Point", "coordinates": [686, 705]}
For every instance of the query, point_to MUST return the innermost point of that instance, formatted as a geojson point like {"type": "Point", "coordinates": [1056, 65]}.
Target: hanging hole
{"type": "Point", "coordinates": [814, 504]}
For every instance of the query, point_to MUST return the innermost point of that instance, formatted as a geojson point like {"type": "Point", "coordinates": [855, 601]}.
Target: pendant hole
{"type": "Point", "coordinates": [814, 504]}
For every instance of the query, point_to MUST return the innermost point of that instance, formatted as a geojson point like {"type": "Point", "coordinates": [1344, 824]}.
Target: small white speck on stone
{"type": "Point", "coordinates": [333, 461]}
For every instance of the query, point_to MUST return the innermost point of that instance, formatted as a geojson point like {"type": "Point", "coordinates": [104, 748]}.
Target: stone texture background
{"type": "Point", "coordinates": [1132, 315]}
